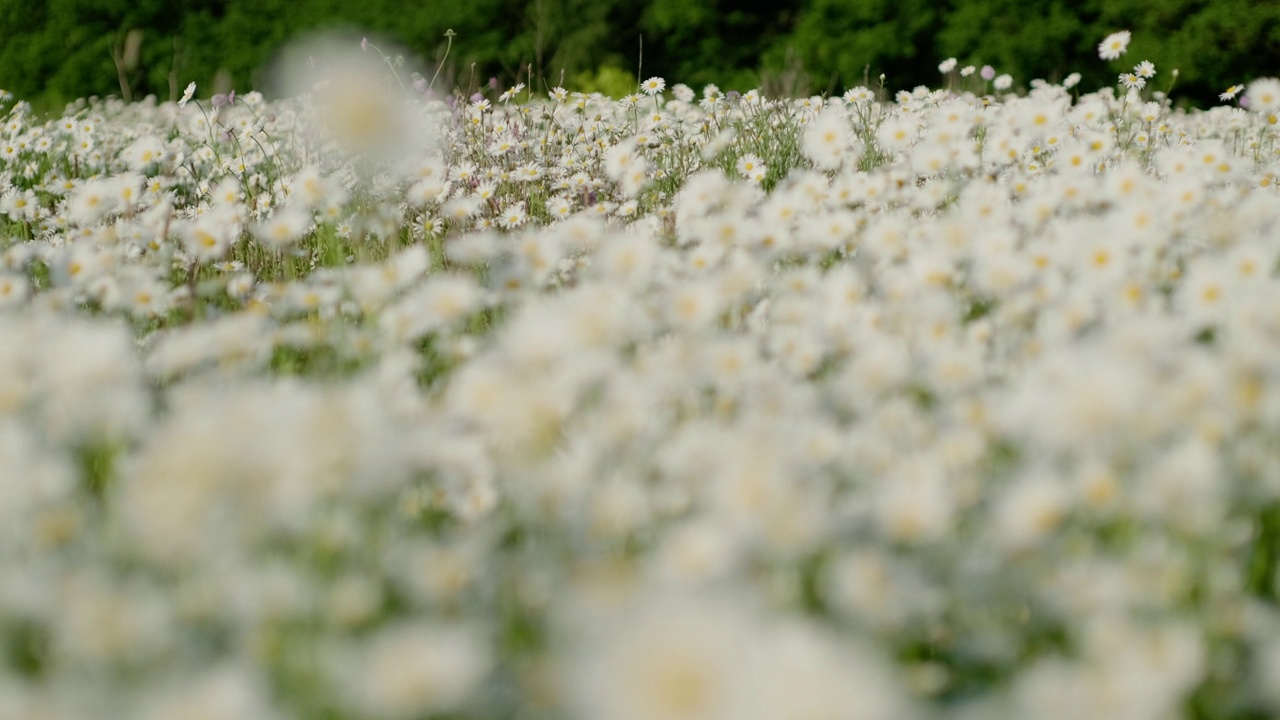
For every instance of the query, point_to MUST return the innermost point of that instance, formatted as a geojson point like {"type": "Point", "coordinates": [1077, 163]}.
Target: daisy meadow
{"type": "Point", "coordinates": [897, 403]}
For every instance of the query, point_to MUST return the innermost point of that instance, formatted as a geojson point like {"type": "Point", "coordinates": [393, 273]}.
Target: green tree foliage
{"type": "Point", "coordinates": [713, 41]}
{"type": "Point", "coordinates": [566, 36]}
{"type": "Point", "coordinates": [1030, 38]}
{"type": "Point", "coordinates": [56, 50]}
{"type": "Point", "coordinates": [846, 42]}
{"type": "Point", "coordinates": [1213, 43]}
{"type": "Point", "coordinates": [62, 49]}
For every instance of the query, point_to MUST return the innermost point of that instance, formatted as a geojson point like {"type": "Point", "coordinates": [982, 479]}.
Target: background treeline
{"type": "Point", "coordinates": [53, 51]}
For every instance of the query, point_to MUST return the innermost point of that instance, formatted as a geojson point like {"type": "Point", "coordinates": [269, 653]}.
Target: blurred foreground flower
{"type": "Point", "coordinates": [362, 108]}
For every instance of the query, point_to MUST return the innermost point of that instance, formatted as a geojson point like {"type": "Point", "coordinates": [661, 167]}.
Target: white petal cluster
{"type": "Point", "coordinates": [370, 403]}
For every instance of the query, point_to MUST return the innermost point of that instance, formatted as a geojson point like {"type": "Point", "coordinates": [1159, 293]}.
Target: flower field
{"type": "Point", "coordinates": [378, 403]}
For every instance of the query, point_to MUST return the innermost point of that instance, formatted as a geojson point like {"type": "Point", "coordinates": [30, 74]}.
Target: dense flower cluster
{"type": "Point", "coordinates": [370, 404]}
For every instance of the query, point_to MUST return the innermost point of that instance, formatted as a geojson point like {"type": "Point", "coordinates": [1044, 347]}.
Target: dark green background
{"type": "Point", "coordinates": [55, 51]}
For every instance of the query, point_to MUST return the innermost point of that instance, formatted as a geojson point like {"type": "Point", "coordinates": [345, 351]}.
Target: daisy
{"type": "Point", "coordinates": [93, 200]}
{"type": "Point", "coordinates": [857, 95]}
{"type": "Point", "coordinates": [283, 228]}
{"type": "Point", "coordinates": [207, 239]}
{"type": "Point", "coordinates": [826, 139]}
{"type": "Point", "coordinates": [511, 92]}
{"type": "Point", "coordinates": [1114, 45]}
{"type": "Point", "coordinates": [672, 658]}
{"type": "Point", "coordinates": [559, 207]}
{"type": "Point", "coordinates": [750, 166]}
{"type": "Point", "coordinates": [653, 85]}
{"type": "Point", "coordinates": [1264, 95]}
{"type": "Point", "coordinates": [1132, 81]}
{"type": "Point", "coordinates": [896, 134]}
{"type": "Point", "coordinates": [416, 668]}
{"type": "Point", "coordinates": [13, 289]}
{"type": "Point", "coordinates": [513, 216]}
